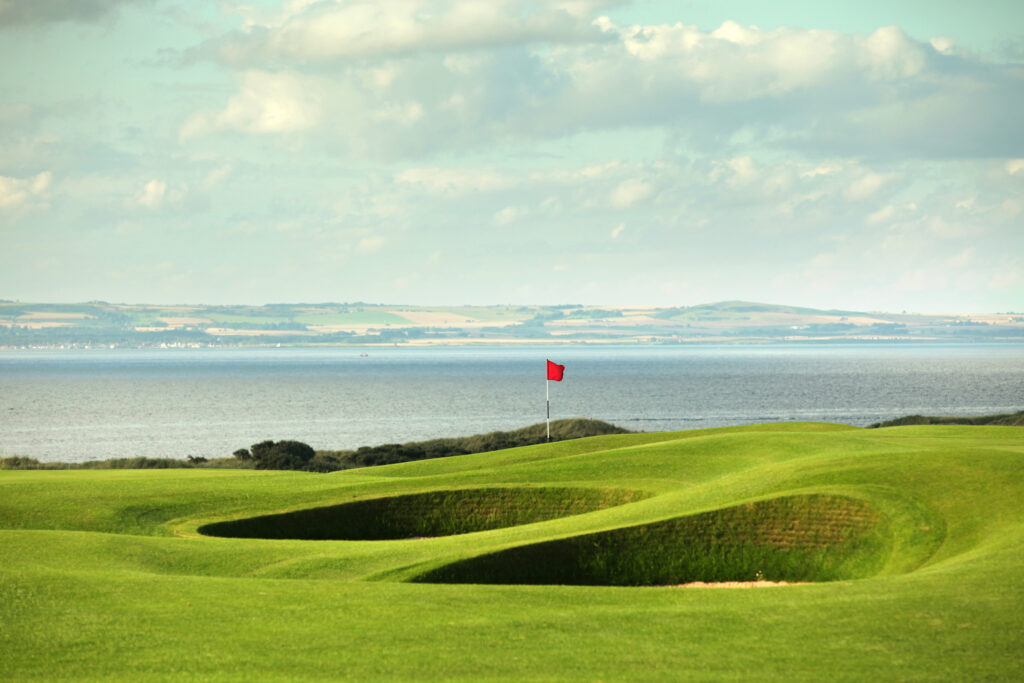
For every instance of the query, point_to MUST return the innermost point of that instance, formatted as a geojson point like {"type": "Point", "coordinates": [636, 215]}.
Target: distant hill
{"type": "Point", "coordinates": [102, 324]}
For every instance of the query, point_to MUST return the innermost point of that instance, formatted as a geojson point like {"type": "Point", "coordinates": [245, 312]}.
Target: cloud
{"type": "Point", "coordinates": [866, 186]}
{"type": "Point", "coordinates": [509, 215]}
{"type": "Point", "coordinates": [737, 170]}
{"type": "Point", "coordinates": [460, 75]}
{"type": "Point", "coordinates": [28, 12]}
{"type": "Point", "coordinates": [1011, 208]}
{"type": "Point", "coordinates": [630, 192]}
{"type": "Point", "coordinates": [217, 175]}
{"type": "Point", "coordinates": [18, 193]}
{"type": "Point", "coordinates": [823, 261]}
{"type": "Point", "coordinates": [943, 44]}
{"type": "Point", "coordinates": [964, 258]}
{"type": "Point", "coordinates": [454, 181]}
{"type": "Point", "coordinates": [370, 244]}
{"type": "Point", "coordinates": [157, 193]}
{"type": "Point", "coordinates": [266, 103]}
{"type": "Point", "coordinates": [1006, 278]}
{"type": "Point", "coordinates": [152, 195]}
{"type": "Point", "coordinates": [402, 113]}
{"type": "Point", "coordinates": [737, 63]}
{"type": "Point", "coordinates": [326, 30]}
{"type": "Point", "coordinates": [617, 230]}
{"type": "Point", "coordinates": [882, 215]}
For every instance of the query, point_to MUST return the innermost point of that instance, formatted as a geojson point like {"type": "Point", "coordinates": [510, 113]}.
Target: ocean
{"type": "Point", "coordinates": [81, 405]}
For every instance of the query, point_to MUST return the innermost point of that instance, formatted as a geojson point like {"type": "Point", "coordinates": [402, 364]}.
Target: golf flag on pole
{"type": "Point", "coordinates": [555, 371]}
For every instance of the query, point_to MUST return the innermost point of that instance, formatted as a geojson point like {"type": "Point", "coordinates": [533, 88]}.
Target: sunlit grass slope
{"type": "Point", "coordinates": [912, 539]}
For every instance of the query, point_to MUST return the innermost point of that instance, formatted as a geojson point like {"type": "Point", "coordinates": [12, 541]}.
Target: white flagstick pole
{"type": "Point", "coordinates": [547, 394]}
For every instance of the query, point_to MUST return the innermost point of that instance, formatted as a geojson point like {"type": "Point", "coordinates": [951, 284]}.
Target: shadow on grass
{"type": "Point", "coordinates": [434, 513]}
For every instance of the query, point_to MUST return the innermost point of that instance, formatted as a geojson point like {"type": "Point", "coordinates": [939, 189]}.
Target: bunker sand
{"type": "Point", "coordinates": [739, 584]}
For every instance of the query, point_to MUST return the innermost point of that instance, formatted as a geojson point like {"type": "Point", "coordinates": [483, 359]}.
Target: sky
{"type": "Point", "coordinates": [859, 155]}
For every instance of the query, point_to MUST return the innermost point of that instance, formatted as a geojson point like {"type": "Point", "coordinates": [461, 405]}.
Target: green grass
{"type": "Point", "coordinates": [915, 535]}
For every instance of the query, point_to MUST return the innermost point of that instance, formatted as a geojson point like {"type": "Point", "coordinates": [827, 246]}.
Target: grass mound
{"type": "Point", "coordinates": [435, 513]}
{"type": "Point", "coordinates": [393, 453]}
{"type": "Point", "coordinates": [1003, 420]}
{"type": "Point", "coordinates": [794, 538]}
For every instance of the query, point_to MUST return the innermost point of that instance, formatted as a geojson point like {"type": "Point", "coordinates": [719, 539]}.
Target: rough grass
{"type": "Point", "coordinates": [103, 574]}
{"type": "Point", "coordinates": [794, 538]}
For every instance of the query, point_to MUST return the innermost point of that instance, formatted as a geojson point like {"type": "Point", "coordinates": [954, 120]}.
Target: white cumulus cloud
{"type": "Point", "coordinates": [370, 244]}
{"type": "Point", "coordinates": [153, 194]}
{"type": "Point", "coordinates": [882, 215]}
{"type": "Point", "coordinates": [157, 193]}
{"type": "Point", "coordinates": [509, 215]}
{"type": "Point", "coordinates": [331, 29]}
{"type": "Point", "coordinates": [454, 181]}
{"type": "Point", "coordinates": [630, 192]}
{"type": "Point", "coordinates": [265, 103]}
{"type": "Point", "coordinates": [865, 186]}
{"type": "Point", "coordinates": [463, 74]}
{"type": "Point", "coordinates": [22, 192]}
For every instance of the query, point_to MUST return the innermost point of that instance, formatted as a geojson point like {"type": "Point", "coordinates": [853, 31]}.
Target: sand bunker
{"type": "Point", "coordinates": [739, 584]}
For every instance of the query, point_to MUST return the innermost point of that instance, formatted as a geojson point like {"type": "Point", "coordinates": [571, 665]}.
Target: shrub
{"type": "Point", "coordinates": [19, 462]}
{"type": "Point", "coordinates": [282, 455]}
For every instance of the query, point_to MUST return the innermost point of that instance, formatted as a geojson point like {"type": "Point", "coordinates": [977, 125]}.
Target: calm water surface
{"type": "Point", "coordinates": [85, 405]}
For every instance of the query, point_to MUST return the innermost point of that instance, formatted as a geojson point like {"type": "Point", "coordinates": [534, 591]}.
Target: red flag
{"type": "Point", "coordinates": [555, 371]}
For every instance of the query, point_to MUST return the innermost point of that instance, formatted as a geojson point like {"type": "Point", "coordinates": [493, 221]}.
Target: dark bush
{"type": "Point", "coordinates": [19, 462]}
{"type": "Point", "coordinates": [137, 463]}
{"type": "Point", "coordinates": [325, 461]}
{"type": "Point", "coordinates": [282, 455]}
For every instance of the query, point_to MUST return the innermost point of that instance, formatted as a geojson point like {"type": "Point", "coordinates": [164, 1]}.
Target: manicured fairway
{"type": "Point", "coordinates": [109, 574]}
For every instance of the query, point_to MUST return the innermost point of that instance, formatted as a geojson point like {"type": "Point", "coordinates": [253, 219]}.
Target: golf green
{"type": "Point", "coordinates": [904, 545]}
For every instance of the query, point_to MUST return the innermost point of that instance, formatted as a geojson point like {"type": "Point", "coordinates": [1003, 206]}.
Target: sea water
{"type": "Point", "coordinates": [83, 405]}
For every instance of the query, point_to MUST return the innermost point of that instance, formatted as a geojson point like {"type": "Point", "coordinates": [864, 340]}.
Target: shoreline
{"type": "Point", "coordinates": [539, 343]}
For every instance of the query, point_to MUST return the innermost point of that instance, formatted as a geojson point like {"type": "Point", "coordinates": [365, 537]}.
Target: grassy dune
{"type": "Point", "coordinates": [1005, 420]}
{"type": "Point", "coordinates": [913, 536]}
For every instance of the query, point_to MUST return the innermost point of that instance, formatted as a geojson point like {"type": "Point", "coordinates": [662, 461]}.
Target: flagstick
{"type": "Point", "coordinates": [547, 394]}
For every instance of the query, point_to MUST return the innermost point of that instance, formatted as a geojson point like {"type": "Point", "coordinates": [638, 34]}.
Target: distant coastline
{"type": "Point", "coordinates": [98, 324]}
